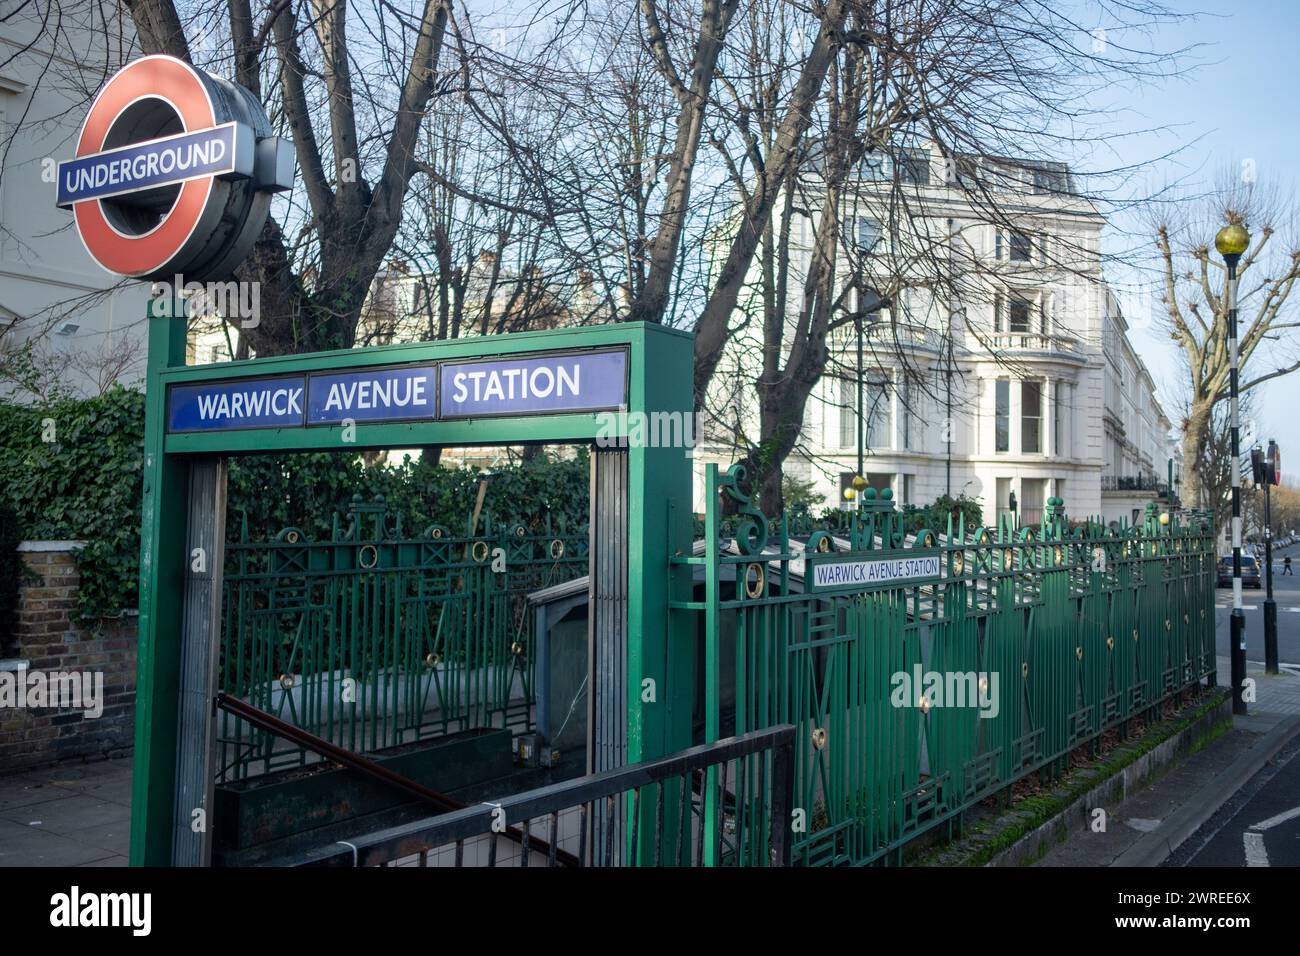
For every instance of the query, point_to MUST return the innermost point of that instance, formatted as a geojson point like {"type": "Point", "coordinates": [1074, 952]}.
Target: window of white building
{"type": "Point", "coordinates": [905, 411]}
{"type": "Point", "coordinates": [1033, 495]}
{"type": "Point", "coordinates": [1002, 415]}
{"type": "Point", "coordinates": [848, 414]}
{"type": "Point", "coordinates": [1019, 312]}
{"type": "Point", "coordinates": [1021, 247]}
{"type": "Point", "coordinates": [875, 400]}
{"type": "Point", "coordinates": [866, 234]}
{"type": "Point", "coordinates": [1031, 417]}
{"type": "Point", "coordinates": [1015, 314]}
{"type": "Point", "coordinates": [875, 409]}
{"type": "Point", "coordinates": [1060, 408]}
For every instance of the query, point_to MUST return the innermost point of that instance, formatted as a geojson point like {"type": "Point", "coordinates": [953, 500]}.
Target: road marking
{"type": "Point", "coordinates": [1256, 855]}
{"type": "Point", "coordinates": [1278, 820]}
{"type": "Point", "coordinates": [1253, 839]}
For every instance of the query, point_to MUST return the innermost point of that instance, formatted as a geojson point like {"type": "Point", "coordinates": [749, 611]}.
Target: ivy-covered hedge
{"type": "Point", "coordinates": [304, 491]}
{"type": "Point", "coordinates": [72, 470]}
{"type": "Point", "coordinates": [11, 569]}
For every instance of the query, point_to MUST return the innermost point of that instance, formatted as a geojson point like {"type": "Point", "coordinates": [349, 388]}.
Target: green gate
{"type": "Point", "coordinates": [377, 637]}
{"type": "Point", "coordinates": [1058, 634]}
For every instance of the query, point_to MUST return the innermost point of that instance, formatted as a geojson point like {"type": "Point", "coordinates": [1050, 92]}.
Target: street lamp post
{"type": "Point", "coordinates": [1231, 241]}
{"type": "Point", "coordinates": [1270, 606]}
{"type": "Point", "coordinates": [868, 237]}
{"type": "Point", "coordinates": [857, 318]}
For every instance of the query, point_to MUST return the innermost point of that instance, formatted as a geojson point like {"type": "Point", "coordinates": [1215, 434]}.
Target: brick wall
{"type": "Point", "coordinates": [45, 638]}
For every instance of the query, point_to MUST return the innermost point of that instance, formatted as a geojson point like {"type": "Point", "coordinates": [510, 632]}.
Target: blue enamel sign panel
{"type": "Point", "coordinates": [275, 402]}
{"type": "Point", "coordinates": [571, 382]}
{"type": "Point", "coordinates": [218, 151]}
{"type": "Point", "coordinates": [521, 385]}
{"type": "Point", "coordinates": [380, 395]}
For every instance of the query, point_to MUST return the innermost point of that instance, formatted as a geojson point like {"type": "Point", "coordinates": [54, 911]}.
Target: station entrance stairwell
{"type": "Point", "coordinates": [428, 635]}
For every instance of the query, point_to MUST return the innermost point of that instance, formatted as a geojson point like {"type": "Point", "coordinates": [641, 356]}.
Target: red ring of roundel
{"type": "Point", "coordinates": [180, 84]}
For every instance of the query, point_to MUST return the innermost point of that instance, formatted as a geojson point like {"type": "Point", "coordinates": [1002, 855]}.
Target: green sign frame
{"type": "Point", "coordinates": [657, 508]}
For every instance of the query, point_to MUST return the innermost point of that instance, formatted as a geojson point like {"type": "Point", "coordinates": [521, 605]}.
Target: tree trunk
{"type": "Point", "coordinates": [1196, 435]}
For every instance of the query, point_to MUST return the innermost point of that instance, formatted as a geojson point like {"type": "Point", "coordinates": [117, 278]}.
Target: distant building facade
{"type": "Point", "coordinates": [1016, 380]}
{"type": "Point", "coordinates": [81, 328]}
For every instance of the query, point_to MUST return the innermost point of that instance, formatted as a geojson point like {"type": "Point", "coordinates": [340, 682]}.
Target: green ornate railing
{"type": "Point", "coordinates": [926, 672]}
{"type": "Point", "coordinates": [376, 637]}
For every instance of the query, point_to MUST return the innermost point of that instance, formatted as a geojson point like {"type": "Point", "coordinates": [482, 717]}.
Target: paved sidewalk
{"type": "Point", "coordinates": [74, 815]}
{"type": "Point", "coordinates": [80, 815]}
{"type": "Point", "coordinates": [1142, 829]}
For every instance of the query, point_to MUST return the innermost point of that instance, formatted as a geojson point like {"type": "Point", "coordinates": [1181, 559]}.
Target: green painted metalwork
{"type": "Point", "coordinates": [659, 653]}
{"type": "Point", "coordinates": [377, 637]}
{"type": "Point", "coordinates": [1058, 633]}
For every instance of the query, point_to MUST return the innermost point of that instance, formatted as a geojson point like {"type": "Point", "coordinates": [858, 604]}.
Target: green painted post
{"type": "Point", "coordinates": [661, 644]}
{"type": "Point", "coordinates": [162, 544]}
{"type": "Point", "coordinates": [712, 595]}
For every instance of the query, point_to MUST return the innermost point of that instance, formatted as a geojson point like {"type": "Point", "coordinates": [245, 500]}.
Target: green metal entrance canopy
{"type": "Point", "coordinates": [535, 387]}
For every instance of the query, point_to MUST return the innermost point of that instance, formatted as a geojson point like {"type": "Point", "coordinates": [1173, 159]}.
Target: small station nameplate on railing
{"type": "Point", "coordinates": [856, 572]}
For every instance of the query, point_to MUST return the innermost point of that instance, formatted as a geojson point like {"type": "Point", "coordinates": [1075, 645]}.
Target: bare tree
{"type": "Point", "coordinates": [994, 89]}
{"type": "Point", "coordinates": [1195, 298]}
{"type": "Point", "coordinates": [354, 110]}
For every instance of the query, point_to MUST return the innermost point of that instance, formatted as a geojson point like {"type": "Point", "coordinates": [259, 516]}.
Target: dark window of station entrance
{"type": "Point", "coordinates": [378, 570]}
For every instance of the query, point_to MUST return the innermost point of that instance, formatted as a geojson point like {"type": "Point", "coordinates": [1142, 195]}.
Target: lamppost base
{"type": "Point", "coordinates": [1270, 636]}
{"type": "Point", "coordinates": [1237, 648]}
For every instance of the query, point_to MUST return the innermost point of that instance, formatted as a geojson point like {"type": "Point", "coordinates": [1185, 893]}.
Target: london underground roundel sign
{"type": "Point", "coordinates": [173, 172]}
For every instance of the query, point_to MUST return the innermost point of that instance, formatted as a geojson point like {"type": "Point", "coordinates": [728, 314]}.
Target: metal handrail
{"type": "Point", "coordinates": [419, 836]}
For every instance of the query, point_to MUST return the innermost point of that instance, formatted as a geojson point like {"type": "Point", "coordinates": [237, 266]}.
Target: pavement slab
{"type": "Point", "coordinates": [1150, 827]}
{"type": "Point", "coordinates": [71, 815]}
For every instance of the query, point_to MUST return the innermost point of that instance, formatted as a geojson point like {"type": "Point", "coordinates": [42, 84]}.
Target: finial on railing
{"type": "Point", "coordinates": [751, 534]}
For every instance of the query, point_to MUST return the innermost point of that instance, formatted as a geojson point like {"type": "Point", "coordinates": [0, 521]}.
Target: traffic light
{"type": "Point", "coordinates": [1266, 469]}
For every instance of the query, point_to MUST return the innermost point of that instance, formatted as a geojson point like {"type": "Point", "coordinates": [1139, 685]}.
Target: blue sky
{"type": "Point", "coordinates": [1238, 104]}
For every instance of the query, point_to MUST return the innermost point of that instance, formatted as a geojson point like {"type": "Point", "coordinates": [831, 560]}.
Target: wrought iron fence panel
{"type": "Point", "coordinates": [916, 695]}
{"type": "Point", "coordinates": [376, 637]}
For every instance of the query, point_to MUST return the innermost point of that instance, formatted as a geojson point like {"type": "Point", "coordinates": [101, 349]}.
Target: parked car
{"type": "Point", "coordinates": [1249, 572]}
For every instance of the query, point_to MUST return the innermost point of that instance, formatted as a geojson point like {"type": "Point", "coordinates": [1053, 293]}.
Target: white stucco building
{"type": "Point", "coordinates": [1012, 375]}
{"type": "Point", "coordinates": [84, 326]}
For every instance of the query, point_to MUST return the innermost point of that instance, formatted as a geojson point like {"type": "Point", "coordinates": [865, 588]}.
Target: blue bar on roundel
{"type": "Point", "coordinates": [405, 393]}
{"type": "Point", "coordinates": [225, 150]}
{"type": "Point", "coordinates": [275, 402]}
{"type": "Point", "coordinates": [548, 384]}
